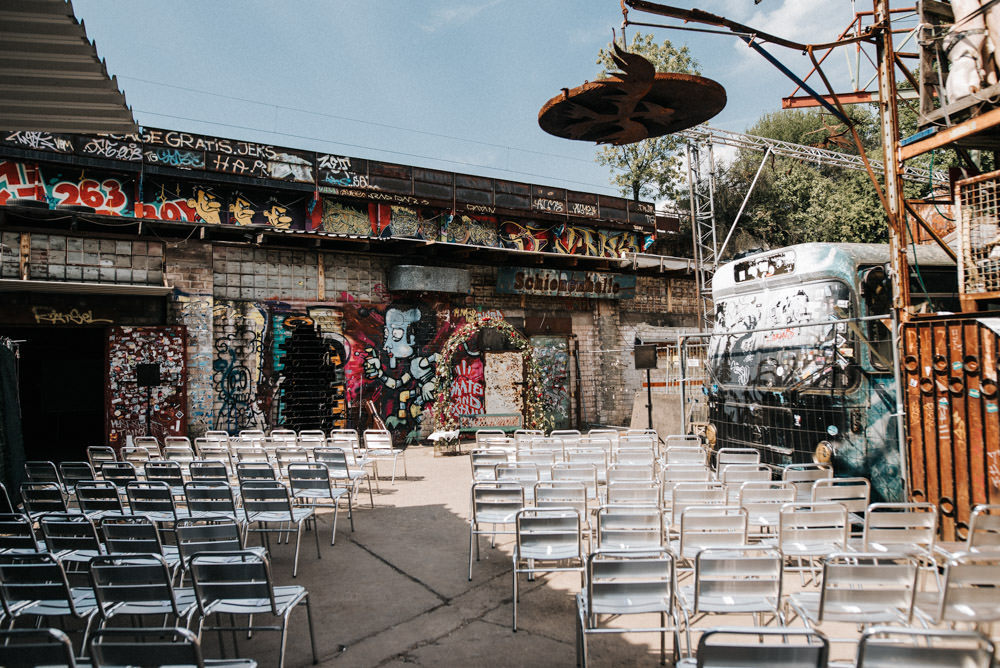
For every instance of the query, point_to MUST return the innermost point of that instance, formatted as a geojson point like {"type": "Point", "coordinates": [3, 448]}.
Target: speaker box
{"type": "Point", "coordinates": [147, 375]}
{"type": "Point", "coordinates": [645, 356]}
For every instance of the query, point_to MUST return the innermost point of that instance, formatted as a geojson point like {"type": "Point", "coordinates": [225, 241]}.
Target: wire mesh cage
{"type": "Point", "coordinates": [978, 201]}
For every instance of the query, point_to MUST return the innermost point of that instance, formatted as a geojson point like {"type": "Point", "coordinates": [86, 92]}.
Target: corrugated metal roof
{"type": "Point", "coordinates": [51, 78]}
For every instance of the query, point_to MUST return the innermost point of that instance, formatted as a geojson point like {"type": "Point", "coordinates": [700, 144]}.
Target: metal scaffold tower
{"type": "Point", "coordinates": [701, 188]}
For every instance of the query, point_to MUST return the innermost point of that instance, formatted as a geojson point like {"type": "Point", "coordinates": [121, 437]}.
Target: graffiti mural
{"type": "Point", "coordinates": [242, 394]}
{"type": "Point", "coordinates": [58, 186]}
{"type": "Point", "coordinates": [130, 403]}
{"type": "Point", "coordinates": [195, 313]}
{"type": "Point", "coordinates": [552, 355]}
{"type": "Point", "coordinates": [197, 203]}
{"type": "Point", "coordinates": [393, 361]}
{"type": "Point", "coordinates": [476, 231]}
{"type": "Point", "coordinates": [309, 370]}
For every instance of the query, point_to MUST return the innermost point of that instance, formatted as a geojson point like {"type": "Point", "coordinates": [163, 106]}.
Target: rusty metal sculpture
{"type": "Point", "coordinates": [634, 104]}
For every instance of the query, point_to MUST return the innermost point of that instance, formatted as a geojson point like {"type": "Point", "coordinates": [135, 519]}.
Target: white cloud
{"type": "Point", "coordinates": [455, 14]}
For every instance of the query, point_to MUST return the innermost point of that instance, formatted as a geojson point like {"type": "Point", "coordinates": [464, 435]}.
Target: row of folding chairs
{"type": "Point", "coordinates": [107, 648]}
{"type": "Point", "coordinates": [223, 584]}
{"type": "Point", "coordinates": [374, 446]}
{"type": "Point", "coordinates": [856, 587]}
{"type": "Point", "coordinates": [265, 506]}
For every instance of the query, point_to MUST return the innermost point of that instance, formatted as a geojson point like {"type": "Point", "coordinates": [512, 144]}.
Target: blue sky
{"type": "Point", "coordinates": [446, 85]}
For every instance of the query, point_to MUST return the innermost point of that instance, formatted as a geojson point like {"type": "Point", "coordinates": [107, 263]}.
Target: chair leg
{"type": "Point", "coordinates": [514, 620]}
{"type": "Point", "coordinates": [298, 540]}
{"type": "Point", "coordinates": [319, 555]}
{"type": "Point", "coordinates": [312, 637]}
{"type": "Point", "coordinates": [370, 497]}
{"type": "Point", "coordinates": [333, 530]}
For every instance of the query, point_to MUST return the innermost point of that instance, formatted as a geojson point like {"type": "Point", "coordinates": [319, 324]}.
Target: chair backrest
{"type": "Point", "coordinates": [42, 497]}
{"type": "Point", "coordinates": [630, 441]}
{"type": "Point", "coordinates": [150, 496]}
{"type": "Point", "coordinates": [209, 449]}
{"type": "Point", "coordinates": [168, 471]}
{"type": "Point", "coordinates": [32, 577]}
{"type": "Point", "coordinates": [741, 579]}
{"type": "Point", "coordinates": [138, 456]}
{"type": "Point", "coordinates": [484, 463]}
{"type": "Point", "coordinates": [891, 647]}
{"type": "Point", "coordinates": [255, 471]}
{"type": "Point", "coordinates": [524, 473]}
{"type": "Point", "coordinates": [286, 435]}
{"type": "Point", "coordinates": [220, 576]}
{"type": "Point", "coordinates": [207, 534]}
{"type": "Point", "coordinates": [176, 442]}
{"type": "Point", "coordinates": [819, 524]}
{"type": "Point", "coordinates": [549, 534]}
{"type": "Point", "coordinates": [621, 527]}
{"type": "Point", "coordinates": [762, 647]}
{"type": "Point", "coordinates": [73, 472]}
{"type": "Point", "coordinates": [98, 496]}
{"type": "Point", "coordinates": [134, 647]}
{"type": "Point", "coordinates": [735, 475]}
{"type": "Point", "coordinates": [5, 505]}
{"type": "Point", "coordinates": [482, 434]}
{"type": "Point", "coordinates": [686, 494]}
{"type": "Point", "coordinates": [136, 578]}
{"type": "Point", "coordinates": [97, 454]}
{"type": "Point", "coordinates": [181, 454]}
{"type": "Point", "coordinates": [618, 472]}
{"type": "Point", "coordinates": [765, 498]}
{"type": "Point", "coordinates": [209, 496]}
{"type": "Point", "coordinates": [853, 493]}
{"type": "Point", "coordinates": [217, 435]}
{"type": "Point", "coordinates": [120, 473]}
{"type": "Point", "coordinates": [712, 526]}
{"type": "Point", "coordinates": [900, 527]}
{"type": "Point", "coordinates": [288, 456]}
{"type": "Point", "coordinates": [69, 531]}
{"type": "Point", "coordinates": [636, 456]}
{"type": "Point", "coordinates": [969, 590]}
{"type": "Point", "coordinates": [28, 648]}
{"type": "Point", "coordinates": [634, 492]}
{"type": "Point", "coordinates": [309, 477]}
{"type": "Point", "coordinates": [861, 587]}
{"type": "Point", "coordinates": [265, 496]}
{"type": "Point", "coordinates": [562, 494]}
{"type": "Point", "coordinates": [209, 470]}
{"type": "Point", "coordinates": [252, 435]}
{"type": "Point", "coordinates": [377, 439]}
{"type": "Point", "coordinates": [133, 534]}
{"type": "Point", "coordinates": [620, 583]}
{"type": "Point", "coordinates": [803, 476]}
{"type": "Point", "coordinates": [984, 528]}
{"type": "Point", "coordinates": [682, 440]}
{"type": "Point", "coordinates": [726, 456]}
{"type": "Point", "coordinates": [151, 443]}
{"type": "Point", "coordinates": [685, 454]}
{"type": "Point", "coordinates": [42, 471]}
{"type": "Point", "coordinates": [17, 532]}
{"type": "Point", "coordinates": [496, 503]}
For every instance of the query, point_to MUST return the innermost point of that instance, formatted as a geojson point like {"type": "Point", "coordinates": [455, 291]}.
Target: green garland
{"type": "Point", "coordinates": [535, 417]}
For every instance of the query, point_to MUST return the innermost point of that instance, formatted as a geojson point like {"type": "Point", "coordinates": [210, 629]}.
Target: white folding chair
{"type": "Point", "coordinates": [379, 447]}
{"type": "Point", "coordinates": [547, 540]}
{"type": "Point", "coordinates": [494, 504]}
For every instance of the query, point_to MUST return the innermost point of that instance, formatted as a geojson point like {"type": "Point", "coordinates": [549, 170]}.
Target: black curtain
{"type": "Point", "coordinates": [11, 440]}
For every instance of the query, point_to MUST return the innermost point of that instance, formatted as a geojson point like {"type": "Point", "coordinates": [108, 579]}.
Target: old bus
{"type": "Point", "coordinates": [801, 356]}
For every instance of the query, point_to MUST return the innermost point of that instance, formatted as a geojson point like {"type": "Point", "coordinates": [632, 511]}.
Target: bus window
{"type": "Point", "coordinates": [877, 295]}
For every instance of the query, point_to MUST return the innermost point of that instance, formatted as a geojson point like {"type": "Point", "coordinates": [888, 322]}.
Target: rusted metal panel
{"type": "Point", "coordinates": [953, 419]}
{"type": "Point", "coordinates": [504, 376]}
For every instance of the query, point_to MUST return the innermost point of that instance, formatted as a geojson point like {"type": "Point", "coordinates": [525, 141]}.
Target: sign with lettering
{"type": "Point", "coordinates": [560, 283]}
{"type": "Point", "coordinates": [505, 421]}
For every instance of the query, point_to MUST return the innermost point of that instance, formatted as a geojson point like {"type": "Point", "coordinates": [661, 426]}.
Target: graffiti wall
{"type": "Point", "coordinates": [242, 389]}
{"type": "Point", "coordinates": [107, 194]}
{"type": "Point", "coordinates": [192, 202]}
{"type": "Point", "coordinates": [129, 402]}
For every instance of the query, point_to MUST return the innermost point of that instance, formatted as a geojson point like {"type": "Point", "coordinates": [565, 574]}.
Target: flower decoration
{"type": "Point", "coordinates": [535, 416]}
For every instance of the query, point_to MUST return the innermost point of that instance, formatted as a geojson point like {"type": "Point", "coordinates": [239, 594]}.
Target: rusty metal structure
{"type": "Point", "coordinates": [949, 371]}
{"type": "Point", "coordinates": [634, 104]}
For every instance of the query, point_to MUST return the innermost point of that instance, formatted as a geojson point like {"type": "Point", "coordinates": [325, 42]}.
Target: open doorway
{"type": "Point", "coordinates": [61, 384]}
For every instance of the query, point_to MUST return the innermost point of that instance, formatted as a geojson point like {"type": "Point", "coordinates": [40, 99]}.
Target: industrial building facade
{"type": "Point", "coordinates": [172, 283]}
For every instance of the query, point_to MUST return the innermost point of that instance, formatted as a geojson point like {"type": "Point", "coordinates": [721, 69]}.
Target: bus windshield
{"type": "Point", "coordinates": [785, 355]}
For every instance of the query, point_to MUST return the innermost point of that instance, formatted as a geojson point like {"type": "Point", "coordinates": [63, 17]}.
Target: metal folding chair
{"type": "Point", "coordinates": [239, 583]}
{"type": "Point", "coordinates": [757, 647]}
{"type": "Point", "coordinates": [170, 647]}
{"type": "Point", "coordinates": [379, 447]}
{"type": "Point", "coordinates": [620, 584]}
{"type": "Point", "coordinates": [548, 540]}
{"type": "Point", "coordinates": [138, 585]}
{"type": "Point", "coordinates": [312, 486]}
{"type": "Point", "coordinates": [891, 647]}
{"type": "Point", "coordinates": [493, 504]}
{"type": "Point", "coordinates": [29, 648]}
{"type": "Point", "coordinates": [267, 506]}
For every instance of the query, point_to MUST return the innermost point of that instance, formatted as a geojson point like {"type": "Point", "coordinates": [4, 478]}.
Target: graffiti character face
{"type": "Point", "coordinates": [207, 205]}
{"type": "Point", "coordinates": [278, 216]}
{"type": "Point", "coordinates": [242, 210]}
{"type": "Point", "coordinates": [399, 336]}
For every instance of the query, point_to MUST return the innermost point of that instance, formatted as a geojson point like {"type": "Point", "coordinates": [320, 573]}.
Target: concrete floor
{"type": "Point", "coordinates": [396, 591]}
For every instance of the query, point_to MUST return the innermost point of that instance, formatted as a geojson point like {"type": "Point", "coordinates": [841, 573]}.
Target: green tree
{"type": "Point", "coordinates": [651, 167]}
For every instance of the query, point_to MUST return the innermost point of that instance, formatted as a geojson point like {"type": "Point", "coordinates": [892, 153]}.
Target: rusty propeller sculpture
{"type": "Point", "coordinates": [631, 105]}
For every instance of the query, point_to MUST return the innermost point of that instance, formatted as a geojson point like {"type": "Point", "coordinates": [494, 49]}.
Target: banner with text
{"type": "Point", "coordinates": [558, 283]}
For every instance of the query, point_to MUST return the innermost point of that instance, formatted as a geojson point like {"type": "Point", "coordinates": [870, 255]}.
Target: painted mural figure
{"type": "Point", "coordinates": [409, 378]}
{"type": "Point", "coordinates": [207, 205]}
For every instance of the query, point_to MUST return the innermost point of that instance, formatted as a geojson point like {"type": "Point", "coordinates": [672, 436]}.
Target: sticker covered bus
{"type": "Point", "coordinates": [801, 356]}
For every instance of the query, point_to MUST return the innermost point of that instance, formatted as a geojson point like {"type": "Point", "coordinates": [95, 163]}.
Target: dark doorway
{"type": "Point", "coordinates": [61, 380]}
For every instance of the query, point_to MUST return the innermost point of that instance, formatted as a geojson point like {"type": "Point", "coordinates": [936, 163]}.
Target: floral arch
{"type": "Point", "coordinates": [534, 405]}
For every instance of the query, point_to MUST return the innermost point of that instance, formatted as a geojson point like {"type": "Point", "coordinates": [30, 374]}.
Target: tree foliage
{"type": "Point", "coordinates": [650, 168]}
